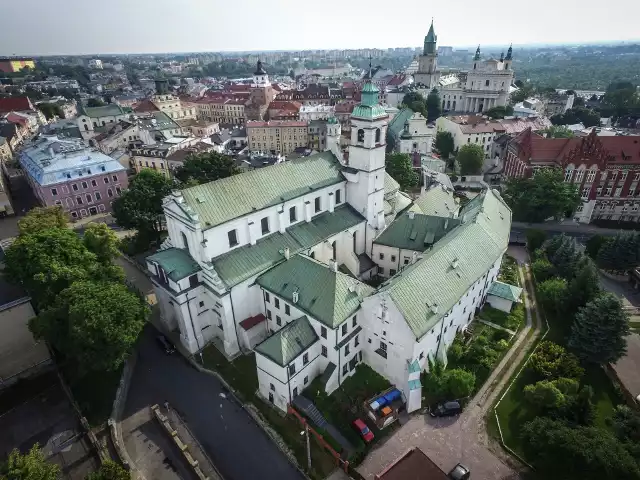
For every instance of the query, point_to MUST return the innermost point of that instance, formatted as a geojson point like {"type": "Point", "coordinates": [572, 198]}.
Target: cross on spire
{"type": "Point", "coordinates": [370, 68]}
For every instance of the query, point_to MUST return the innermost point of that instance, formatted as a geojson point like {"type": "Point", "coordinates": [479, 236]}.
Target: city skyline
{"type": "Point", "coordinates": [201, 26]}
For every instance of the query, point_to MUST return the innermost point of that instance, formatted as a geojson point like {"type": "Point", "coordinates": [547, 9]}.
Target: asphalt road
{"type": "Point", "coordinates": [235, 443]}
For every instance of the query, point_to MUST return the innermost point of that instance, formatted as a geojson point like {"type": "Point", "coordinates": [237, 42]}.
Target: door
{"type": "Point", "coordinates": [93, 211]}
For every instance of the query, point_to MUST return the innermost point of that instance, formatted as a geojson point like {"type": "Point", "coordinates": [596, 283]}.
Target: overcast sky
{"type": "Point", "coordinates": [44, 27]}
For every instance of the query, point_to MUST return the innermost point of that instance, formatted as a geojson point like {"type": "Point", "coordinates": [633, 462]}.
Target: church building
{"type": "Point", "coordinates": [485, 85]}
{"type": "Point", "coordinates": [278, 261]}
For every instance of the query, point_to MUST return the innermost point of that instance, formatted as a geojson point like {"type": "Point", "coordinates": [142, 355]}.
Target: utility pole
{"type": "Point", "coordinates": [306, 432]}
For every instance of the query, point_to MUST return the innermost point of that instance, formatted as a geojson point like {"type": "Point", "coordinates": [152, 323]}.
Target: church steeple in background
{"type": "Point", "coordinates": [430, 42]}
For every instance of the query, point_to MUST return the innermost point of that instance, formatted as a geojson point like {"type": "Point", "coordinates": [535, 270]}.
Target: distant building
{"type": "Point", "coordinates": [557, 104]}
{"type": "Point", "coordinates": [416, 136]}
{"type": "Point", "coordinates": [277, 136]}
{"type": "Point", "coordinates": [15, 64]}
{"type": "Point", "coordinates": [21, 105]}
{"type": "Point", "coordinates": [95, 63]}
{"type": "Point", "coordinates": [65, 172]}
{"type": "Point", "coordinates": [316, 112]}
{"type": "Point", "coordinates": [199, 128]}
{"type": "Point", "coordinates": [605, 170]}
{"type": "Point", "coordinates": [90, 118]}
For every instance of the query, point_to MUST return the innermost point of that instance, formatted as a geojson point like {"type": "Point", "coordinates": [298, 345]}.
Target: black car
{"type": "Point", "coordinates": [446, 409]}
{"type": "Point", "coordinates": [165, 344]}
{"type": "Point", "coordinates": [460, 472]}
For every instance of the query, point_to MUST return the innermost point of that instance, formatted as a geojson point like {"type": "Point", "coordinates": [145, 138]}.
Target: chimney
{"type": "Point", "coordinates": [287, 252]}
{"type": "Point", "coordinates": [411, 214]}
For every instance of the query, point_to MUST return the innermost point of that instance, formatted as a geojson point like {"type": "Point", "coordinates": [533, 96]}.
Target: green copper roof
{"type": "Point", "coordinates": [289, 342]}
{"type": "Point", "coordinates": [436, 201]}
{"type": "Point", "coordinates": [415, 233]}
{"type": "Point", "coordinates": [504, 290]}
{"type": "Point", "coordinates": [242, 263]}
{"type": "Point", "coordinates": [368, 112]}
{"type": "Point", "coordinates": [390, 185]}
{"type": "Point", "coordinates": [430, 42]}
{"type": "Point", "coordinates": [396, 125]}
{"type": "Point", "coordinates": [176, 262]}
{"type": "Point", "coordinates": [425, 291]}
{"type": "Point", "coordinates": [327, 296]}
{"type": "Point", "coordinates": [232, 197]}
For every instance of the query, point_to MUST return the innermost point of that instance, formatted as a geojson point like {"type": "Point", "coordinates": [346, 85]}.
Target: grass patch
{"type": "Point", "coordinates": [241, 374]}
{"type": "Point", "coordinates": [95, 393]}
{"type": "Point", "coordinates": [513, 320]}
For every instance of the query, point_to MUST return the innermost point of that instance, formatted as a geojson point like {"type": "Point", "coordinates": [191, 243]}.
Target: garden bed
{"type": "Point", "coordinates": [509, 271]}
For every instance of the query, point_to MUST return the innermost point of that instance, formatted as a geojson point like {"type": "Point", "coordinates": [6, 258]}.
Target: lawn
{"type": "Point", "coordinates": [242, 376]}
{"type": "Point", "coordinates": [346, 404]}
{"type": "Point", "coordinates": [512, 321]}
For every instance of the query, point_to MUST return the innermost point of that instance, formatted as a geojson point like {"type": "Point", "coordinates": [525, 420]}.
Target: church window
{"type": "Point", "coordinates": [361, 135]}
{"type": "Point", "coordinates": [377, 135]}
{"type": "Point", "coordinates": [486, 83]}
{"type": "Point", "coordinates": [185, 243]}
{"type": "Point", "coordinates": [338, 197]}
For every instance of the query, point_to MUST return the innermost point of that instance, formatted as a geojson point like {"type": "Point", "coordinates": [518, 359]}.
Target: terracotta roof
{"type": "Point", "coordinates": [144, 106]}
{"type": "Point", "coordinates": [345, 107]}
{"type": "Point", "coordinates": [239, 87]}
{"type": "Point", "coordinates": [13, 118]}
{"type": "Point", "coordinates": [413, 465]}
{"type": "Point", "coordinates": [249, 323]}
{"type": "Point", "coordinates": [623, 149]}
{"type": "Point", "coordinates": [285, 105]}
{"type": "Point", "coordinates": [551, 149]}
{"type": "Point", "coordinates": [17, 104]}
{"type": "Point", "coordinates": [397, 80]}
{"type": "Point", "coordinates": [276, 87]}
{"type": "Point", "coordinates": [276, 123]}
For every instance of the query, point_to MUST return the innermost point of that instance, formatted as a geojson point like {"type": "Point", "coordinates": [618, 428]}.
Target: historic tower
{"type": "Point", "coordinates": [365, 172]}
{"type": "Point", "coordinates": [428, 74]}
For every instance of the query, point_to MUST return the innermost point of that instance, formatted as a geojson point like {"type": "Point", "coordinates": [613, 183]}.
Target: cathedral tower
{"type": "Point", "coordinates": [428, 74]}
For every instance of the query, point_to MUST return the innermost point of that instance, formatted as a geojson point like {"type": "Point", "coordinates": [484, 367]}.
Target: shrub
{"type": "Point", "coordinates": [551, 361]}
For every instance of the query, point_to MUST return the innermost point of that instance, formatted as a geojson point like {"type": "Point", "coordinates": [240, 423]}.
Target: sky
{"type": "Point", "coordinates": [55, 27]}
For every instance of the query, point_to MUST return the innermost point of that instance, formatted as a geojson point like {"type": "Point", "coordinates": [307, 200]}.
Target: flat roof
{"type": "Point", "coordinates": [413, 465]}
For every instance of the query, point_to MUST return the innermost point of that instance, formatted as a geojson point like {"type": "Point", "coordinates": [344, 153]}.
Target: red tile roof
{"type": "Point", "coordinates": [145, 106]}
{"type": "Point", "coordinates": [13, 118]}
{"type": "Point", "coordinates": [285, 105]}
{"type": "Point", "coordinates": [397, 80]}
{"type": "Point", "coordinates": [17, 104]}
{"type": "Point", "coordinates": [239, 87]}
{"type": "Point", "coordinates": [622, 149]}
{"type": "Point", "coordinates": [249, 323]}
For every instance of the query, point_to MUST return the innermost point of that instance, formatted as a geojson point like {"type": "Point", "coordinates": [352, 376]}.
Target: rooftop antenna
{"type": "Point", "coordinates": [370, 57]}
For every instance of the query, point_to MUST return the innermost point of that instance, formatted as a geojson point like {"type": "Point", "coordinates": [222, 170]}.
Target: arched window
{"type": "Point", "coordinates": [361, 135]}
{"type": "Point", "coordinates": [184, 241]}
{"type": "Point", "coordinates": [454, 105]}
{"type": "Point", "coordinates": [377, 135]}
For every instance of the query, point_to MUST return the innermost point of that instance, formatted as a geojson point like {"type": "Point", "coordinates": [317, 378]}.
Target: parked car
{"type": "Point", "coordinates": [460, 472]}
{"type": "Point", "coordinates": [363, 430]}
{"type": "Point", "coordinates": [165, 344]}
{"type": "Point", "coordinates": [446, 409]}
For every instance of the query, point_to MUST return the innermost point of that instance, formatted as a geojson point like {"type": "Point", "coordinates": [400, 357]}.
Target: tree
{"type": "Point", "coordinates": [41, 218]}
{"type": "Point", "coordinates": [542, 269]}
{"type": "Point", "coordinates": [30, 466]}
{"type": "Point", "coordinates": [50, 110]}
{"type": "Point", "coordinates": [567, 258]}
{"type": "Point", "coordinates": [93, 323]}
{"type": "Point", "coordinates": [552, 294]}
{"type": "Point", "coordinates": [140, 206]}
{"type": "Point", "coordinates": [625, 423]}
{"type": "Point", "coordinates": [470, 159]}
{"type": "Point", "coordinates": [594, 244]}
{"type": "Point", "coordinates": [551, 361]}
{"type": "Point", "coordinates": [544, 395]}
{"type": "Point", "coordinates": [444, 143]}
{"type": "Point", "coordinates": [110, 470]}
{"type": "Point", "coordinates": [599, 331]}
{"type": "Point", "coordinates": [560, 452]}
{"type": "Point", "coordinates": [416, 102]}
{"type": "Point", "coordinates": [102, 241]}
{"type": "Point", "coordinates": [542, 196]}
{"type": "Point", "coordinates": [499, 111]}
{"type": "Point", "coordinates": [622, 97]}
{"type": "Point", "coordinates": [95, 102]}
{"type": "Point", "coordinates": [48, 261]}
{"type": "Point", "coordinates": [434, 105]}
{"type": "Point", "coordinates": [458, 383]}
{"type": "Point", "coordinates": [621, 253]}
{"type": "Point", "coordinates": [584, 286]}
{"type": "Point", "coordinates": [399, 166]}
{"type": "Point", "coordinates": [535, 238]}
{"type": "Point", "coordinates": [206, 167]}
{"type": "Point", "coordinates": [558, 131]}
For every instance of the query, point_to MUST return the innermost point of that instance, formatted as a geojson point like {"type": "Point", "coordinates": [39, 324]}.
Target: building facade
{"type": "Point", "coordinates": [485, 85]}
{"type": "Point", "coordinates": [604, 169]}
{"type": "Point", "coordinates": [258, 261]}
{"type": "Point", "coordinates": [64, 172]}
{"type": "Point", "coordinates": [277, 136]}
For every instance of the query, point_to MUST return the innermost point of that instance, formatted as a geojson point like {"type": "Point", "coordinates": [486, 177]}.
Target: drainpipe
{"type": "Point", "coordinates": [194, 328]}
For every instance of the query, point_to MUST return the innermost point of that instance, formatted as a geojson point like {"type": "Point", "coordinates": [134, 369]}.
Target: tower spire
{"type": "Point", "coordinates": [430, 41]}
{"type": "Point", "coordinates": [510, 52]}
{"type": "Point", "coordinates": [477, 56]}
